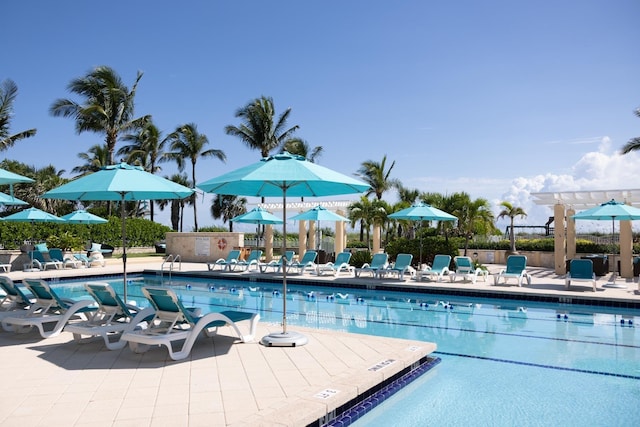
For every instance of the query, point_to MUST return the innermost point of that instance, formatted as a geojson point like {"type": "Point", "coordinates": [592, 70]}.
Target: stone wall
{"type": "Point", "coordinates": [203, 247]}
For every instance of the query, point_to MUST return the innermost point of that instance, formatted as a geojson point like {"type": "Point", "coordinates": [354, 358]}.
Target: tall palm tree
{"type": "Point", "coordinates": [634, 143]}
{"type": "Point", "coordinates": [177, 205]}
{"type": "Point", "coordinates": [94, 159]}
{"type": "Point", "coordinates": [146, 148]}
{"type": "Point", "coordinates": [302, 148]}
{"type": "Point", "coordinates": [228, 207]}
{"type": "Point", "coordinates": [259, 130]}
{"type": "Point", "coordinates": [474, 217]}
{"type": "Point", "coordinates": [107, 105]}
{"type": "Point", "coordinates": [511, 212]}
{"type": "Point", "coordinates": [187, 143]}
{"type": "Point", "coordinates": [377, 176]}
{"type": "Point", "coordinates": [8, 94]}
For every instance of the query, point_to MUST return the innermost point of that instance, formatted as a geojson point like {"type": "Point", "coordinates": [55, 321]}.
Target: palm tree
{"type": "Point", "coordinates": [511, 212]}
{"type": "Point", "coordinates": [177, 205]}
{"type": "Point", "coordinates": [107, 105]}
{"type": "Point", "coordinates": [634, 143]}
{"type": "Point", "coordinates": [94, 159]}
{"type": "Point", "coordinates": [228, 207]}
{"type": "Point", "coordinates": [8, 94]}
{"type": "Point", "coordinates": [146, 148]}
{"type": "Point", "coordinates": [377, 176]}
{"type": "Point", "coordinates": [187, 143]}
{"type": "Point", "coordinates": [474, 217]}
{"type": "Point", "coordinates": [258, 130]}
{"type": "Point", "coordinates": [302, 148]}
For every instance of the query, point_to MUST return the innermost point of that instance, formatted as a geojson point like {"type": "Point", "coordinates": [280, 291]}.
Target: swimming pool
{"type": "Point", "coordinates": [503, 362]}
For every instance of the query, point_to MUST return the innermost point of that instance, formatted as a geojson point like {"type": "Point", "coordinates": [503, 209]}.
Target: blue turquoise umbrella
{"type": "Point", "coordinates": [283, 175]}
{"type": "Point", "coordinates": [422, 212]}
{"type": "Point", "coordinates": [6, 199]}
{"type": "Point", "coordinates": [123, 183]}
{"type": "Point", "coordinates": [11, 178]}
{"type": "Point", "coordinates": [319, 213]}
{"type": "Point", "coordinates": [258, 216]}
{"type": "Point", "coordinates": [83, 217]}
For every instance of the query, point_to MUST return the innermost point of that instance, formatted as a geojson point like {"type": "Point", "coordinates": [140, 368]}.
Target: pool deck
{"type": "Point", "coordinates": [50, 382]}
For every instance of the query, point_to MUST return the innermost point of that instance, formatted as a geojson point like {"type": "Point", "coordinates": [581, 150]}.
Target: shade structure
{"type": "Point", "coordinates": [7, 177]}
{"type": "Point", "coordinates": [283, 175]}
{"type": "Point", "coordinates": [611, 210]}
{"type": "Point", "coordinates": [123, 183]}
{"type": "Point", "coordinates": [258, 216]}
{"type": "Point", "coordinates": [83, 217]}
{"type": "Point", "coordinates": [319, 213]}
{"type": "Point", "coordinates": [422, 212]}
{"type": "Point", "coordinates": [6, 199]}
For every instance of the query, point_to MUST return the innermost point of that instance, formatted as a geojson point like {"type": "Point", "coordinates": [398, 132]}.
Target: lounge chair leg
{"type": "Point", "coordinates": [138, 347]}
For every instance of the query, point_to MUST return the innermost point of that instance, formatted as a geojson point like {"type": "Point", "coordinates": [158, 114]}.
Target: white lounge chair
{"type": "Point", "coordinates": [516, 269]}
{"type": "Point", "coordinates": [276, 265]}
{"type": "Point", "coordinates": [308, 262]}
{"type": "Point", "coordinates": [14, 297]}
{"type": "Point", "coordinates": [40, 261]}
{"type": "Point", "coordinates": [378, 262]}
{"type": "Point", "coordinates": [56, 255]}
{"type": "Point", "coordinates": [48, 313]}
{"type": "Point", "coordinates": [174, 324]}
{"type": "Point", "coordinates": [225, 263]}
{"type": "Point", "coordinates": [437, 270]}
{"type": "Point", "coordinates": [580, 270]}
{"type": "Point", "coordinates": [253, 260]}
{"type": "Point", "coordinates": [341, 265]}
{"type": "Point", "coordinates": [466, 270]}
{"type": "Point", "coordinates": [111, 320]}
{"type": "Point", "coordinates": [401, 266]}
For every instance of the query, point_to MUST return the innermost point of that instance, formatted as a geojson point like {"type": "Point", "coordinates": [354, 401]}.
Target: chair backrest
{"type": "Point", "coordinates": [233, 255]}
{"type": "Point", "coordinates": [13, 291]}
{"type": "Point", "coordinates": [441, 262]}
{"type": "Point", "coordinates": [343, 258]}
{"type": "Point", "coordinates": [56, 254]}
{"type": "Point", "coordinates": [289, 256]}
{"type": "Point", "coordinates": [41, 247]}
{"type": "Point", "coordinates": [43, 293]}
{"type": "Point", "coordinates": [516, 264]}
{"type": "Point", "coordinates": [403, 261]}
{"type": "Point", "coordinates": [107, 298]}
{"type": "Point", "coordinates": [463, 264]}
{"type": "Point", "coordinates": [379, 260]}
{"type": "Point", "coordinates": [255, 255]}
{"type": "Point", "coordinates": [167, 305]}
{"type": "Point", "coordinates": [38, 256]}
{"type": "Point", "coordinates": [581, 269]}
{"type": "Point", "coordinates": [309, 256]}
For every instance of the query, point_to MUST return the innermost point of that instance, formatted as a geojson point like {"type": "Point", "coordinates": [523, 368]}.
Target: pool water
{"type": "Point", "coordinates": [504, 363]}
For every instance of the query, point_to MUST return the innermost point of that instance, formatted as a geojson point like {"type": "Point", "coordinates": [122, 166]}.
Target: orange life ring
{"type": "Point", "coordinates": [222, 243]}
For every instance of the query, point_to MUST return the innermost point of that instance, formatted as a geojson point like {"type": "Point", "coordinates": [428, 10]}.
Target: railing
{"type": "Point", "coordinates": [171, 260]}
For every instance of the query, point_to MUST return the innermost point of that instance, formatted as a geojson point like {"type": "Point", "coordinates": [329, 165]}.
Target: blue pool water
{"type": "Point", "coordinates": [504, 362]}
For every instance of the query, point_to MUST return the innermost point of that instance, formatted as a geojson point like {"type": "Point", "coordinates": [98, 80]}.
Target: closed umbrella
{"type": "Point", "coordinates": [611, 210]}
{"type": "Point", "coordinates": [123, 183]}
{"type": "Point", "coordinates": [257, 216]}
{"type": "Point", "coordinates": [422, 212]}
{"type": "Point", "coordinates": [319, 213]}
{"type": "Point", "coordinates": [283, 175]}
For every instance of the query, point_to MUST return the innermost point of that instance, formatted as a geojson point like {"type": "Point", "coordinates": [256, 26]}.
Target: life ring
{"type": "Point", "coordinates": [222, 243]}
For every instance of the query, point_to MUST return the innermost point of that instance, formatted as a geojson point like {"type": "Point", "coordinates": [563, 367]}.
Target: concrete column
{"type": "Point", "coordinates": [571, 234]}
{"type": "Point", "coordinates": [268, 242]}
{"type": "Point", "coordinates": [339, 240]}
{"type": "Point", "coordinates": [302, 237]}
{"type": "Point", "coordinates": [312, 236]}
{"type": "Point", "coordinates": [559, 239]}
{"type": "Point", "coordinates": [626, 250]}
{"type": "Point", "coordinates": [376, 238]}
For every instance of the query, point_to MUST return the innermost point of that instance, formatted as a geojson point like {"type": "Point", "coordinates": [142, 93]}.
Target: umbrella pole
{"type": "Point", "coordinates": [124, 248]}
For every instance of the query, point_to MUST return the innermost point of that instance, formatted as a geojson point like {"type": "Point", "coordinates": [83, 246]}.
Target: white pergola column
{"type": "Point", "coordinates": [626, 250]}
{"type": "Point", "coordinates": [268, 242]}
{"type": "Point", "coordinates": [376, 238]}
{"type": "Point", "coordinates": [571, 234]}
{"type": "Point", "coordinates": [312, 236]}
{"type": "Point", "coordinates": [302, 237]}
{"type": "Point", "coordinates": [559, 239]}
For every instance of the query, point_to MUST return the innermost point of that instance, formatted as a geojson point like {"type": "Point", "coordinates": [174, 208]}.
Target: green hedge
{"type": "Point", "coordinates": [431, 246]}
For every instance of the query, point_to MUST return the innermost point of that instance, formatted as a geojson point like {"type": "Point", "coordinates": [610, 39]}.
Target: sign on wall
{"type": "Point", "coordinates": [203, 246]}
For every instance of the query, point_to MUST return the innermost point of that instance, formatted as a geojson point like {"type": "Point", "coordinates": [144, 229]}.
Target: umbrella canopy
{"type": "Point", "coordinates": [422, 212]}
{"type": "Point", "coordinates": [258, 216]}
{"type": "Point", "coordinates": [319, 213]}
{"type": "Point", "coordinates": [283, 175]}
{"type": "Point", "coordinates": [611, 210]}
{"type": "Point", "coordinates": [121, 182]}
{"type": "Point", "coordinates": [7, 177]}
{"type": "Point", "coordinates": [32, 215]}
{"type": "Point", "coordinates": [83, 217]}
{"type": "Point", "coordinates": [6, 199]}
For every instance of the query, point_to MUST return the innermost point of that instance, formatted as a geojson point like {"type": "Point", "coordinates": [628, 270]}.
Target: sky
{"type": "Point", "coordinates": [496, 98]}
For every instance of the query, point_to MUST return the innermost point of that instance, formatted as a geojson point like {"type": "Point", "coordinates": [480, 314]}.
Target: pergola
{"type": "Point", "coordinates": [564, 206]}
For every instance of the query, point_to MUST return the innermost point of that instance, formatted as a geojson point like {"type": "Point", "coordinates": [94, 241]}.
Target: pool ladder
{"type": "Point", "coordinates": [170, 260]}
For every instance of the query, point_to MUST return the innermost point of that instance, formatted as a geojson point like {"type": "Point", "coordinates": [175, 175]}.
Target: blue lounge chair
{"type": "Point", "coordinates": [174, 324]}
{"type": "Point", "coordinates": [111, 320]}
{"type": "Point", "coordinates": [401, 266]}
{"type": "Point", "coordinates": [276, 265]}
{"type": "Point", "coordinates": [56, 255]}
{"type": "Point", "coordinates": [466, 270]}
{"type": "Point", "coordinates": [48, 313]}
{"type": "Point", "coordinates": [341, 265]}
{"type": "Point", "coordinates": [39, 261]}
{"type": "Point", "coordinates": [308, 262]}
{"type": "Point", "coordinates": [580, 270]}
{"type": "Point", "coordinates": [225, 263]}
{"type": "Point", "coordinates": [437, 270]}
{"type": "Point", "coordinates": [90, 261]}
{"type": "Point", "coordinates": [378, 262]}
{"type": "Point", "coordinates": [253, 260]}
{"type": "Point", "coordinates": [516, 269]}
{"type": "Point", "coordinates": [14, 298]}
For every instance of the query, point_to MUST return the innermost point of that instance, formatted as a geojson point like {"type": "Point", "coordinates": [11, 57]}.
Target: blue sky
{"type": "Point", "coordinates": [496, 98]}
